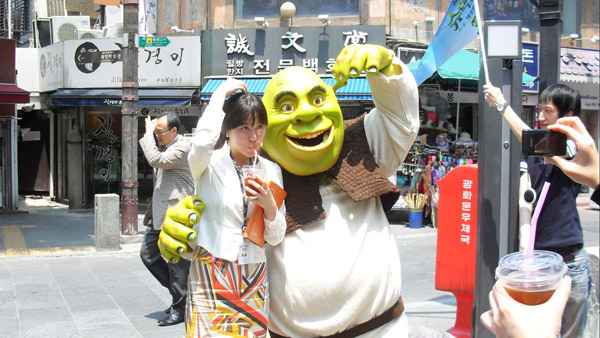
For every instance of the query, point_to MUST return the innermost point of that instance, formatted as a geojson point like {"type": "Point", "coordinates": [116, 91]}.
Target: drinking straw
{"type": "Point", "coordinates": [536, 215]}
{"type": "Point", "coordinates": [255, 157]}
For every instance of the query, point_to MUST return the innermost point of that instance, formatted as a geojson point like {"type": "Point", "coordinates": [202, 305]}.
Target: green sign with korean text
{"type": "Point", "coordinates": [153, 41]}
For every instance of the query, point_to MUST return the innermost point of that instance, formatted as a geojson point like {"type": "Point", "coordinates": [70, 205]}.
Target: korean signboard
{"type": "Point", "coordinates": [263, 52]}
{"type": "Point", "coordinates": [457, 230]}
{"type": "Point", "coordinates": [530, 65]}
{"type": "Point", "coordinates": [97, 63]}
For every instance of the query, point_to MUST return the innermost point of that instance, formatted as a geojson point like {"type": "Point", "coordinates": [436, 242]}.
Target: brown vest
{"type": "Point", "coordinates": [355, 172]}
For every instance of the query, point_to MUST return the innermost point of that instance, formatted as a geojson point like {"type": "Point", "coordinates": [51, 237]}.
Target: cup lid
{"type": "Point", "coordinates": [544, 266]}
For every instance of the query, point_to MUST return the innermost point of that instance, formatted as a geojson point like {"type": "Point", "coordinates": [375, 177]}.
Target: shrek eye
{"type": "Point", "coordinates": [317, 101]}
{"type": "Point", "coordinates": [287, 108]}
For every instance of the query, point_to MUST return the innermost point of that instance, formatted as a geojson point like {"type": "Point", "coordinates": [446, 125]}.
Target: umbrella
{"type": "Point", "coordinates": [463, 66]}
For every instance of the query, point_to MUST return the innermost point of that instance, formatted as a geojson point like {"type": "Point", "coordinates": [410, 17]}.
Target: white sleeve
{"type": "Point", "coordinates": [275, 231]}
{"type": "Point", "coordinates": [205, 137]}
{"type": "Point", "coordinates": [392, 126]}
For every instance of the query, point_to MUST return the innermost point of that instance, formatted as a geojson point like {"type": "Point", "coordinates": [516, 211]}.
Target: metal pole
{"type": "Point", "coordinates": [129, 184]}
{"type": "Point", "coordinates": [489, 199]}
{"type": "Point", "coordinates": [550, 30]}
{"type": "Point", "coordinates": [9, 19]}
{"type": "Point", "coordinates": [498, 172]}
{"type": "Point", "coordinates": [51, 193]}
{"type": "Point", "coordinates": [457, 110]}
{"type": "Point", "coordinates": [14, 170]}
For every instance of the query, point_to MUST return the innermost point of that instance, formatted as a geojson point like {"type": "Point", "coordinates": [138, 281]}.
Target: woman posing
{"type": "Point", "coordinates": [228, 291]}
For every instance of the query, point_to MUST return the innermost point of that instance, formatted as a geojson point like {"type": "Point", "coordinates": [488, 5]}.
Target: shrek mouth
{"type": "Point", "coordinates": [316, 139]}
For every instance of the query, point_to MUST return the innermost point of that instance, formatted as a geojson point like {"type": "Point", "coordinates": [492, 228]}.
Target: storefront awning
{"type": "Point", "coordinates": [356, 89]}
{"type": "Point", "coordinates": [112, 97]}
{"type": "Point", "coordinates": [463, 65]}
{"type": "Point", "coordinates": [10, 93]}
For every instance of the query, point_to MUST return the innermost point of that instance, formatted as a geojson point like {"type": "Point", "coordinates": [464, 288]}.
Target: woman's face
{"type": "Point", "coordinates": [247, 138]}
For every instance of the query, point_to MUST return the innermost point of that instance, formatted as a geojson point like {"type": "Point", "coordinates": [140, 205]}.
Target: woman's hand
{"type": "Point", "coordinates": [493, 95]}
{"type": "Point", "coordinates": [229, 87]}
{"type": "Point", "coordinates": [583, 168]}
{"type": "Point", "coordinates": [509, 318]}
{"type": "Point", "coordinates": [261, 195]}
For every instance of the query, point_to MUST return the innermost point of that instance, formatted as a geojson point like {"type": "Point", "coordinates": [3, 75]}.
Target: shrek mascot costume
{"type": "Point", "coordinates": [338, 269]}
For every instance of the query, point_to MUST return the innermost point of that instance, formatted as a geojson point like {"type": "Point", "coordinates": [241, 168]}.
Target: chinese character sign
{"type": "Point", "coordinates": [263, 52]}
{"type": "Point", "coordinates": [458, 28]}
{"type": "Point", "coordinates": [355, 37]}
{"type": "Point", "coordinates": [237, 44]}
{"type": "Point", "coordinates": [291, 41]}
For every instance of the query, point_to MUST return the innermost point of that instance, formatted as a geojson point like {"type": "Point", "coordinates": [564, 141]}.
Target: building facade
{"type": "Point", "coordinates": [76, 105]}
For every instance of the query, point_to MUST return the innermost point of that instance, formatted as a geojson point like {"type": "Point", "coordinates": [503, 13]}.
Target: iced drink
{"type": "Point", "coordinates": [531, 281]}
{"type": "Point", "coordinates": [253, 172]}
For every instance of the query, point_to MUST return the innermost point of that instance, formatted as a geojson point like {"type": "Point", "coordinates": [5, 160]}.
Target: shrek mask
{"type": "Point", "coordinates": [306, 128]}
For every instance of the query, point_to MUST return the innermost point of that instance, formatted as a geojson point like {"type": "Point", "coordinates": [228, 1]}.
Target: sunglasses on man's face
{"type": "Point", "coordinates": [160, 132]}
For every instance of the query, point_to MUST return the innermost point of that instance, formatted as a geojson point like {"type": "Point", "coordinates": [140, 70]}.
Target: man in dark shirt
{"type": "Point", "coordinates": [558, 229]}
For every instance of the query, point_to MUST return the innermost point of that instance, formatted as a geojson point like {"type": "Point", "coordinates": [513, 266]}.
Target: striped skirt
{"type": "Point", "coordinates": [226, 299]}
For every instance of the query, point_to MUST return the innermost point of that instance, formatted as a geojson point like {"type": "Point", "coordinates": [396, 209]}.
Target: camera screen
{"type": "Point", "coordinates": [544, 143]}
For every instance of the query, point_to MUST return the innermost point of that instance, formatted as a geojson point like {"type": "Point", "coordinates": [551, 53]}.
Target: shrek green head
{"type": "Point", "coordinates": [306, 129]}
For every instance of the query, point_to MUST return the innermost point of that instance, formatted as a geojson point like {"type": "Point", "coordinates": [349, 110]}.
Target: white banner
{"type": "Point", "coordinates": [96, 63]}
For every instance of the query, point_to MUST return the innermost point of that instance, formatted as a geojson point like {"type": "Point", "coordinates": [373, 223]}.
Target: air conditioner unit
{"type": "Point", "coordinates": [49, 8]}
{"type": "Point", "coordinates": [66, 27]}
{"type": "Point", "coordinates": [113, 31]}
{"type": "Point", "coordinates": [86, 34]}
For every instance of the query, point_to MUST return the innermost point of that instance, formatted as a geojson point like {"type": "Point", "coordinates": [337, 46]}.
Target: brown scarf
{"type": "Point", "coordinates": [355, 172]}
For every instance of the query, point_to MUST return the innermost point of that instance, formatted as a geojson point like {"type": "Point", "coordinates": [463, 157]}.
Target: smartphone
{"type": "Point", "coordinates": [543, 142]}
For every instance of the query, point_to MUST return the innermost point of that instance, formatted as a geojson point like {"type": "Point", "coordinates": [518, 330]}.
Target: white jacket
{"type": "Point", "coordinates": [217, 183]}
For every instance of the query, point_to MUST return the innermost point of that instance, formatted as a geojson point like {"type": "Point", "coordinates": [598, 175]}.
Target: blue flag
{"type": "Point", "coordinates": [458, 28]}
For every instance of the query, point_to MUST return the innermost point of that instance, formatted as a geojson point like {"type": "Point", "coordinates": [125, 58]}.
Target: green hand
{"type": "Point", "coordinates": [177, 228]}
{"type": "Point", "coordinates": [353, 59]}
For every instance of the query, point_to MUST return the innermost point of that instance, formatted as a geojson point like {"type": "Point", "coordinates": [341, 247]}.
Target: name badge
{"type": "Point", "coordinates": [243, 257]}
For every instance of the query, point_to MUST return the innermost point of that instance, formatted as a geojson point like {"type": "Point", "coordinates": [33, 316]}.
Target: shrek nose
{"type": "Point", "coordinates": [306, 115]}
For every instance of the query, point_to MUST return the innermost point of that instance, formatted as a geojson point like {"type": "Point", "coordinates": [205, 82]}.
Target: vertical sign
{"type": "Point", "coordinates": [530, 65]}
{"type": "Point", "coordinates": [456, 246]}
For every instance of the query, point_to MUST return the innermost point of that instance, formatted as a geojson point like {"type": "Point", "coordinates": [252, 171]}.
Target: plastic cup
{"type": "Point", "coordinates": [531, 281]}
{"type": "Point", "coordinates": [253, 172]}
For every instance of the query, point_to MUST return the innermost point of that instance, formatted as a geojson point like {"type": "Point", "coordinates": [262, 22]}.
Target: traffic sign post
{"type": "Point", "coordinates": [153, 41]}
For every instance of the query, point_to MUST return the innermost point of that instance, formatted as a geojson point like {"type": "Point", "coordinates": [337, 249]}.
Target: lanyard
{"type": "Point", "coordinates": [238, 169]}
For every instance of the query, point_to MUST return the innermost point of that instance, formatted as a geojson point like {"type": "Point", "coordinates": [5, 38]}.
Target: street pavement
{"type": "Point", "coordinates": [53, 283]}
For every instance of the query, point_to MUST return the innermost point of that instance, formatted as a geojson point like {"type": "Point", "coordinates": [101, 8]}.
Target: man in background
{"type": "Point", "coordinates": [173, 181]}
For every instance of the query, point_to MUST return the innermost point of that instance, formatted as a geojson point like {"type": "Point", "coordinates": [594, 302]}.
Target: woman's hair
{"type": "Point", "coordinates": [239, 109]}
{"type": "Point", "coordinates": [565, 98]}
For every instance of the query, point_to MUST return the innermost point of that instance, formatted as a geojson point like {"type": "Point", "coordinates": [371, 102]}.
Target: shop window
{"type": "Point", "coordinates": [522, 10]}
{"type": "Point", "coordinates": [249, 9]}
{"type": "Point", "coordinates": [103, 153]}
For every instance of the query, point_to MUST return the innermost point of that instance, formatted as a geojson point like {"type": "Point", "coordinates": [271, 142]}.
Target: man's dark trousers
{"type": "Point", "coordinates": [172, 276]}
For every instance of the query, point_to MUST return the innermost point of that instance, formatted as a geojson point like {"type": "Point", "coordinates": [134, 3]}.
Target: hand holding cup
{"type": "Point", "coordinates": [256, 189]}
